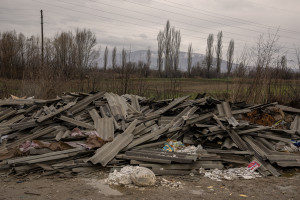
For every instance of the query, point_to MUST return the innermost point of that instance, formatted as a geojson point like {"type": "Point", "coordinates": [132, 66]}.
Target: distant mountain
{"type": "Point", "coordinates": [141, 55]}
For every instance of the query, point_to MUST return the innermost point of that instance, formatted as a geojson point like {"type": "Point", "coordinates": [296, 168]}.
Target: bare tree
{"type": "Point", "coordinates": [160, 51]}
{"type": "Point", "coordinates": [298, 56]}
{"type": "Point", "coordinates": [264, 54]}
{"type": "Point", "coordinates": [168, 47]}
{"type": "Point", "coordinates": [105, 58]}
{"type": "Point", "coordinates": [147, 67]}
{"type": "Point", "coordinates": [209, 54]}
{"type": "Point", "coordinates": [123, 70]}
{"type": "Point", "coordinates": [230, 54]}
{"type": "Point", "coordinates": [124, 59]}
{"type": "Point", "coordinates": [190, 59]}
{"type": "Point", "coordinates": [176, 40]}
{"type": "Point", "coordinates": [218, 50]}
{"type": "Point", "coordinates": [85, 43]}
{"type": "Point", "coordinates": [113, 57]}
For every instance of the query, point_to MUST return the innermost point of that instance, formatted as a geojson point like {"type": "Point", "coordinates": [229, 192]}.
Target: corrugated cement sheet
{"type": "Point", "coordinates": [108, 151]}
{"type": "Point", "coordinates": [105, 128]}
{"type": "Point", "coordinates": [117, 105]}
{"type": "Point", "coordinates": [295, 125]}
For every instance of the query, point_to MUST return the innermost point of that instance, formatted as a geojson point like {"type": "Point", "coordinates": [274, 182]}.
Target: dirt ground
{"type": "Point", "coordinates": [92, 186]}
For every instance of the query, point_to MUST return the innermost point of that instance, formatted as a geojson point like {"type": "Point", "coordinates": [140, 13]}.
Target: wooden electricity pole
{"type": "Point", "coordinates": [42, 33]}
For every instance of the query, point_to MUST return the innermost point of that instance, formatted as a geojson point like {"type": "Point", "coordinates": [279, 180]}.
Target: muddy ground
{"type": "Point", "coordinates": [91, 186]}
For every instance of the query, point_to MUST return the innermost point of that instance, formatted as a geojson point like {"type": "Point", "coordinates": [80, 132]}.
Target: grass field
{"type": "Point", "coordinates": [159, 88]}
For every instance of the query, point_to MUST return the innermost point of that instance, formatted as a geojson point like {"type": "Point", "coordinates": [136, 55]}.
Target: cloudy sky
{"type": "Point", "coordinates": [135, 23]}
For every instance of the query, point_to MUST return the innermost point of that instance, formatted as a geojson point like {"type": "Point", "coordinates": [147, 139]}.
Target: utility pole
{"type": "Point", "coordinates": [42, 33]}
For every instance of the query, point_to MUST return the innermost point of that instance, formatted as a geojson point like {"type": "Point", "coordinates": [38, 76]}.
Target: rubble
{"type": "Point", "coordinates": [171, 137]}
{"type": "Point", "coordinates": [139, 176]}
{"type": "Point", "coordinates": [171, 184]}
{"type": "Point", "coordinates": [231, 174]}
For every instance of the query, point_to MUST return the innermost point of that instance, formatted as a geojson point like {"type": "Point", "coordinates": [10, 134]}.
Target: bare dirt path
{"type": "Point", "coordinates": [91, 186]}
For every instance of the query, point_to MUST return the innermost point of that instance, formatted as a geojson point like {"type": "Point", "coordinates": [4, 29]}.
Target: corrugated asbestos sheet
{"type": "Point", "coordinates": [117, 106]}
{"type": "Point", "coordinates": [108, 151]}
{"type": "Point", "coordinates": [295, 125]}
{"type": "Point", "coordinates": [228, 144]}
{"type": "Point", "coordinates": [105, 128]}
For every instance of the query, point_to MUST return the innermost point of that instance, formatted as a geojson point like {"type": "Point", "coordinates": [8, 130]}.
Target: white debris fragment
{"type": "Point", "coordinates": [190, 149]}
{"type": "Point", "coordinates": [171, 184]}
{"type": "Point", "coordinates": [139, 176]}
{"type": "Point", "coordinates": [286, 147]}
{"type": "Point", "coordinates": [120, 178]}
{"type": "Point", "coordinates": [230, 174]}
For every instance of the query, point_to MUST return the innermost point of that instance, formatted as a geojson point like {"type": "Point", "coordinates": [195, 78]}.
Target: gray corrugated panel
{"type": "Point", "coordinates": [171, 105]}
{"type": "Point", "coordinates": [218, 151]}
{"type": "Point", "coordinates": [199, 119]}
{"type": "Point", "coordinates": [295, 125]}
{"type": "Point", "coordinates": [170, 172]}
{"type": "Point", "coordinates": [85, 102]}
{"type": "Point", "coordinates": [135, 102]}
{"type": "Point", "coordinates": [227, 109]}
{"type": "Point", "coordinates": [108, 151]}
{"type": "Point", "coordinates": [13, 120]}
{"type": "Point", "coordinates": [288, 163]}
{"type": "Point", "coordinates": [117, 105]}
{"type": "Point", "coordinates": [105, 128]}
{"type": "Point", "coordinates": [164, 120]}
{"type": "Point", "coordinates": [288, 109]}
{"type": "Point", "coordinates": [220, 110]}
{"type": "Point", "coordinates": [235, 112]}
{"type": "Point", "coordinates": [69, 105]}
{"type": "Point", "coordinates": [262, 128]}
{"type": "Point", "coordinates": [148, 136]}
{"type": "Point", "coordinates": [196, 165]}
{"type": "Point", "coordinates": [232, 121]}
{"type": "Point", "coordinates": [76, 122]}
{"type": "Point", "coordinates": [7, 115]}
{"type": "Point", "coordinates": [27, 158]}
{"type": "Point", "coordinates": [190, 112]}
{"type": "Point", "coordinates": [214, 128]}
{"type": "Point", "coordinates": [94, 114]}
{"type": "Point", "coordinates": [175, 157]}
{"type": "Point", "coordinates": [213, 137]}
{"type": "Point", "coordinates": [228, 144]}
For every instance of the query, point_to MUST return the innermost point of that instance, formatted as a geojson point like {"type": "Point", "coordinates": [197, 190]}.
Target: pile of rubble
{"type": "Point", "coordinates": [78, 132]}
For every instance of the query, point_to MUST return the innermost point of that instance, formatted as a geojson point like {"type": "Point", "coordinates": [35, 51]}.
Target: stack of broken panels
{"type": "Point", "coordinates": [81, 132]}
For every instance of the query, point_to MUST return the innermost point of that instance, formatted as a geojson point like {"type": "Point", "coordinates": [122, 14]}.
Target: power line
{"type": "Point", "coordinates": [214, 14]}
{"type": "Point", "coordinates": [200, 18]}
{"type": "Point", "coordinates": [143, 20]}
{"type": "Point", "coordinates": [114, 19]}
{"type": "Point", "coordinates": [272, 7]}
{"type": "Point", "coordinates": [185, 23]}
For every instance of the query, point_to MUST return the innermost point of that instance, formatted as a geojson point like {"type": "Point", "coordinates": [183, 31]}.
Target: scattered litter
{"type": "Point", "coordinates": [171, 184]}
{"type": "Point", "coordinates": [254, 165]}
{"type": "Point", "coordinates": [231, 174]}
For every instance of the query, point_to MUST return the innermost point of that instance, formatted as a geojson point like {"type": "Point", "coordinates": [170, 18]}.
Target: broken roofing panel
{"type": "Point", "coordinates": [117, 106]}
{"type": "Point", "coordinates": [295, 125]}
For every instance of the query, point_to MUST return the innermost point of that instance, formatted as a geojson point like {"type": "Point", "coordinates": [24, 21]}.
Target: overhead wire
{"type": "Point", "coordinates": [214, 14]}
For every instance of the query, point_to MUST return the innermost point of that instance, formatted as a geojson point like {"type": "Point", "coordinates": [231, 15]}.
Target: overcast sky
{"type": "Point", "coordinates": [135, 23]}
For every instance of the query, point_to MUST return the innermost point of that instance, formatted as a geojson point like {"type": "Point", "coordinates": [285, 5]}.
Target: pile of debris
{"type": "Point", "coordinates": [78, 132]}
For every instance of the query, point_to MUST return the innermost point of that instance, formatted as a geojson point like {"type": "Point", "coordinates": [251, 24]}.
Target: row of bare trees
{"type": "Point", "coordinates": [168, 51]}
{"type": "Point", "coordinates": [67, 54]}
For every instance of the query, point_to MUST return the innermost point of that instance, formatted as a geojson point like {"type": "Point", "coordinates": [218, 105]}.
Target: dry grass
{"type": "Point", "coordinates": [158, 88]}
